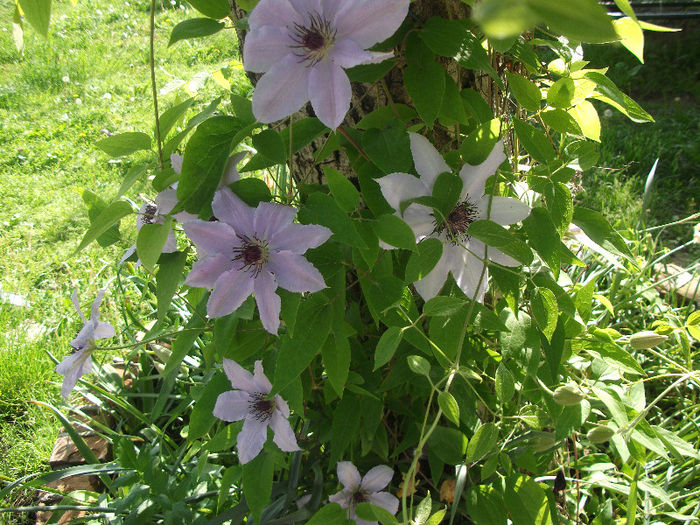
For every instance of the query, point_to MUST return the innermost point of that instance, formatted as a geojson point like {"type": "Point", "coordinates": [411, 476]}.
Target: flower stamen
{"type": "Point", "coordinates": [314, 40]}
{"type": "Point", "coordinates": [457, 221]}
{"type": "Point", "coordinates": [260, 408]}
{"type": "Point", "coordinates": [252, 253]}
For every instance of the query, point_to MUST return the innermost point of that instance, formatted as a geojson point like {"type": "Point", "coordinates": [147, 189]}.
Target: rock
{"type": "Point", "coordinates": [66, 454]}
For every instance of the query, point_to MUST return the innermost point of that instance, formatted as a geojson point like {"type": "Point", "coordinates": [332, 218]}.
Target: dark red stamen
{"type": "Point", "coordinates": [458, 221]}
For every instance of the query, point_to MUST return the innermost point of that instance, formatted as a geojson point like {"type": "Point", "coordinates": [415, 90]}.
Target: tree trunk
{"type": "Point", "coordinates": [367, 97]}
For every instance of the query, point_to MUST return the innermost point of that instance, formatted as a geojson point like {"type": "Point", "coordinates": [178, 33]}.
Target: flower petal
{"type": "Point", "coordinates": [170, 245]}
{"type": "Point", "coordinates": [329, 91]}
{"type": "Point", "coordinates": [270, 218]}
{"type": "Point", "coordinates": [504, 210]}
{"type": "Point", "coordinates": [233, 405]}
{"type": "Point", "coordinates": [420, 219]}
{"type": "Point", "coordinates": [294, 273]}
{"type": "Point", "coordinates": [428, 161]}
{"type": "Point", "coordinates": [176, 163]}
{"type": "Point", "coordinates": [348, 475]}
{"type": "Point", "coordinates": [230, 290]}
{"type": "Point", "coordinates": [307, 8]}
{"type": "Point", "coordinates": [264, 47]}
{"type": "Point", "coordinates": [231, 174]}
{"type": "Point", "coordinates": [297, 238]}
{"type": "Point", "coordinates": [273, 12]}
{"type": "Point", "coordinates": [103, 330]}
{"type": "Point", "coordinates": [229, 208]}
{"type": "Point", "coordinates": [251, 439]}
{"type": "Point", "coordinates": [128, 253]}
{"type": "Point", "coordinates": [282, 406]}
{"type": "Point", "coordinates": [240, 377]}
{"type": "Point", "coordinates": [72, 367]}
{"type": "Point", "coordinates": [284, 435]}
{"type": "Point", "coordinates": [206, 271]}
{"type": "Point", "coordinates": [399, 187]}
{"type": "Point", "coordinates": [467, 270]}
{"type": "Point", "coordinates": [166, 200]}
{"type": "Point", "coordinates": [377, 478]}
{"type": "Point", "coordinates": [474, 177]}
{"type": "Point", "coordinates": [384, 500]}
{"type": "Point", "coordinates": [501, 258]}
{"type": "Point", "coordinates": [76, 304]}
{"type": "Point", "coordinates": [269, 303]}
{"type": "Point", "coordinates": [368, 22]}
{"type": "Point", "coordinates": [262, 383]}
{"type": "Point", "coordinates": [347, 53]}
{"type": "Point", "coordinates": [282, 90]}
{"type": "Point", "coordinates": [429, 286]}
{"type": "Point", "coordinates": [342, 498]}
{"type": "Point", "coordinates": [211, 237]}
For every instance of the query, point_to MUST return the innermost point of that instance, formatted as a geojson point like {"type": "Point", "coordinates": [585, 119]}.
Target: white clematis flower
{"type": "Point", "coordinates": [248, 402]}
{"type": "Point", "coordinates": [462, 255]}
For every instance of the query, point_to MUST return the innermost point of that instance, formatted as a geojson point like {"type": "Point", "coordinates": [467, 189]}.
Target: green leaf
{"type": "Point", "coordinates": [561, 93]}
{"type": "Point", "coordinates": [534, 141]}
{"type": "Point", "coordinates": [373, 513]}
{"type": "Point", "coordinates": [424, 259]}
{"type": "Point", "coordinates": [483, 441]}
{"type": "Point", "coordinates": [425, 84]}
{"type": "Point", "coordinates": [212, 8]}
{"type": "Point", "coordinates": [257, 483]}
{"type": "Point", "coordinates": [505, 383]}
{"type": "Point", "coordinates": [442, 306]}
{"type": "Point", "coordinates": [95, 207]}
{"type": "Point", "coordinates": [194, 28]}
{"type": "Point", "coordinates": [545, 311]}
{"type": "Point", "coordinates": [336, 355]}
{"type": "Point", "coordinates": [631, 36]}
{"type": "Point", "coordinates": [599, 230]}
{"type": "Point", "coordinates": [322, 209]}
{"type": "Point", "coordinates": [419, 365]}
{"type": "Point", "coordinates": [295, 353]}
{"type": "Point", "coordinates": [172, 115]}
{"type": "Point", "coordinates": [608, 92]}
{"type": "Point", "coordinates": [583, 20]}
{"type": "Point", "coordinates": [544, 237]}
{"type": "Point", "coordinates": [270, 145]}
{"type": "Point", "coordinates": [526, 93]}
{"type": "Point", "coordinates": [560, 205]}
{"type": "Point", "coordinates": [561, 121]}
{"type": "Point", "coordinates": [503, 18]}
{"type": "Point", "coordinates": [472, 55]}
{"type": "Point", "coordinates": [168, 279]}
{"type": "Point", "coordinates": [345, 193]}
{"type": "Point", "coordinates": [387, 345]}
{"type": "Point", "coordinates": [202, 418]}
{"type": "Point", "coordinates": [384, 115]}
{"type": "Point", "coordinates": [444, 37]}
{"type": "Point", "coordinates": [370, 72]}
{"type": "Point", "coordinates": [448, 404]}
{"type": "Point", "coordinates": [497, 236]}
{"type": "Point", "coordinates": [252, 191]}
{"type": "Point", "coordinates": [478, 145]}
{"type": "Point", "coordinates": [38, 12]}
{"type": "Point", "coordinates": [448, 444]}
{"type": "Point", "coordinates": [586, 117]}
{"type": "Point", "coordinates": [446, 191]}
{"type": "Point", "coordinates": [124, 143]}
{"type": "Point", "coordinates": [110, 216]}
{"type": "Point", "coordinates": [395, 232]}
{"type": "Point", "coordinates": [206, 155]}
{"type": "Point", "coordinates": [389, 149]}
{"type": "Point", "coordinates": [150, 242]}
{"type": "Point", "coordinates": [330, 514]}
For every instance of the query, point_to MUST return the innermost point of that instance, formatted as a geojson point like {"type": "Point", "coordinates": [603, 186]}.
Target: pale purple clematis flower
{"type": "Point", "coordinates": [364, 490]}
{"type": "Point", "coordinates": [462, 255]}
{"type": "Point", "coordinates": [248, 401]}
{"type": "Point", "coordinates": [253, 250]}
{"type": "Point", "coordinates": [302, 47]}
{"type": "Point", "coordinates": [79, 362]}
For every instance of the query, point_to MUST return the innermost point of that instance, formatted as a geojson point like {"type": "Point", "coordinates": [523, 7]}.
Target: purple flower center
{"type": "Point", "coordinates": [313, 40]}
{"type": "Point", "coordinates": [252, 253]}
{"type": "Point", "coordinates": [358, 497]}
{"type": "Point", "coordinates": [259, 407]}
{"type": "Point", "coordinates": [457, 222]}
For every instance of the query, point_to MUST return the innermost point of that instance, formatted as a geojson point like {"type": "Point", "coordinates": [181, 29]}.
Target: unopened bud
{"type": "Point", "coordinates": [646, 339]}
{"type": "Point", "coordinates": [600, 434]}
{"type": "Point", "coordinates": [568, 395]}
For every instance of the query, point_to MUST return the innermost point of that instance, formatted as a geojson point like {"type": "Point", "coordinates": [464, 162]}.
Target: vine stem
{"type": "Point", "coordinates": [355, 144]}
{"type": "Point", "coordinates": [153, 81]}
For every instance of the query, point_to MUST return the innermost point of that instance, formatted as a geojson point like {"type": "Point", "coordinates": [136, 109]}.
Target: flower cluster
{"type": "Point", "coordinates": [462, 256]}
{"type": "Point", "coordinates": [303, 46]}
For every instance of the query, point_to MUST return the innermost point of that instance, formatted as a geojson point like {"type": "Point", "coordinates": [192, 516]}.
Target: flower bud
{"type": "Point", "coordinates": [600, 434]}
{"type": "Point", "coordinates": [568, 395]}
{"type": "Point", "coordinates": [646, 339]}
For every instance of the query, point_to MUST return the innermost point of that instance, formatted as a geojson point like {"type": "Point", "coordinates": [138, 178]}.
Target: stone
{"type": "Point", "coordinates": [66, 454]}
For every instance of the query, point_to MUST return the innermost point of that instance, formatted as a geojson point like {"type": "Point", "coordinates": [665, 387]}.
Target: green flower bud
{"type": "Point", "coordinates": [646, 339]}
{"type": "Point", "coordinates": [600, 434]}
{"type": "Point", "coordinates": [568, 395]}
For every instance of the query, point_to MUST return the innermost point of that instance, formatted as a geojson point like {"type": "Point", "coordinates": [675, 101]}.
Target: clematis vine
{"type": "Point", "coordinates": [248, 402]}
{"type": "Point", "coordinates": [462, 256]}
{"type": "Point", "coordinates": [364, 490]}
{"type": "Point", "coordinates": [302, 47]}
{"type": "Point", "coordinates": [253, 250]}
{"type": "Point", "coordinates": [79, 362]}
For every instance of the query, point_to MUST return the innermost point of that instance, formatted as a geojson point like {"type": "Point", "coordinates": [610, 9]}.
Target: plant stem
{"type": "Point", "coordinates": [355, 144]}
{"type": "Point", "coordinates": [153, 82]}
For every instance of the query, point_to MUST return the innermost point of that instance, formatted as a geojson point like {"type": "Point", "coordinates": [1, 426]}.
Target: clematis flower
{"type": "Point", "coordinates": [364, 490]}
{"type": "Point", "coordinates": [253, 250]}
{"type": "Point", "coordinates": [462, 255]}
{"type": "Point", "coordinates": [79, 362]}
{"type": "Point", "coordinates": [248, 401]}
{"type": "Point", "coordinates": [302, 47]}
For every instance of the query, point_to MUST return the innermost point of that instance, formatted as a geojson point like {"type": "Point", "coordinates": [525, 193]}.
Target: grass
{"type": "Point", "coordinates": [63, 94]}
